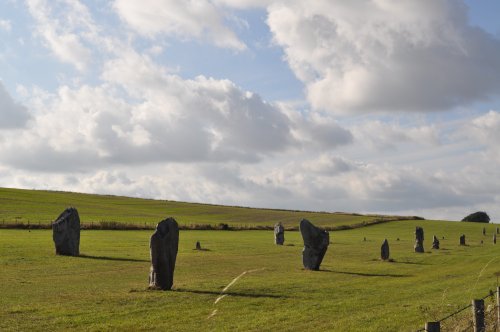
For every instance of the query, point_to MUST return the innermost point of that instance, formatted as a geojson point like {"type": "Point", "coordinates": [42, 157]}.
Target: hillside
{"type": "Point", "coordinates": [42, 207]}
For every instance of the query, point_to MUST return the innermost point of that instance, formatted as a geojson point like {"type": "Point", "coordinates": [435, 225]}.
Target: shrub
{"type": "Point", "coordinates": [477, 217]}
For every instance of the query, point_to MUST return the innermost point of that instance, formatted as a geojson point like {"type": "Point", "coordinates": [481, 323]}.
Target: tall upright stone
{"type": "Point", "coordinates": [316, 241]}
{"type": "Point", "coordinates": [484, 230]}
{"type": "Point", "coordinates": [419, 239]}
{"type": "Point", "coordinates": [494, 239]}
{"type": "Point", "coordinates": [66, 233]}
{"type": "Point", "coordinates": [384, 250]}
{"type": "Point", "coordinates": [279, 234]}
{"type": "Point", "coordinates": [462, 240]}
{"type": "Point", "coordinates": [435, 242]}
{"type": "Point", "coordinates": [163, 248]}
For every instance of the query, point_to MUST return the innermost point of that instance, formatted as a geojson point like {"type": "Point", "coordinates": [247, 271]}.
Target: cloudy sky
{"type": "Point", "coordinates": [377, 106]}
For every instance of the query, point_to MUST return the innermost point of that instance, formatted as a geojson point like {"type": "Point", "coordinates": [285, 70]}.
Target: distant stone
{"type": "Point", "coordinates": [198, 245]}
{"type": "Point", "coordinates": [462, 240]}
{"type": "Point", "coordinates": [163, 248]}
{"type": "Point", "coordinates": [498, 230]}
{"type": "Point", "coordinates": [384, 250]}
{"type": "Point", "coordinates": [364, 239]}
{"type": "Point", "coordinates": [397, 239]}
{"type": "Point", "coordinates": [279, 234]}
{"type": "Point", "coordinates": [494, 239]}
{"type": "Point", "coordinates": [435, 242]}
{"type": "Point", "coordinates": [479, 216]}
{"type": "Point", "coordinates": [66, 233]}
{"type": "Point", "coordinates": [484, 230]}
{"type": "Point", "coordinates": [482, 242]}
{"type": "Point", "coordinates": [419, 239]}
{"type": "Point", "coordinates": [316, 242]}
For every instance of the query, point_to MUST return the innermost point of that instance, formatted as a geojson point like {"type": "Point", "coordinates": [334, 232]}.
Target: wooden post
{"type": "Point", "coordinates": [478, 315]}
{"type": "Point", "coordinates": [433, 326]}
{"type": "Point", "coordinates": [498, 307]}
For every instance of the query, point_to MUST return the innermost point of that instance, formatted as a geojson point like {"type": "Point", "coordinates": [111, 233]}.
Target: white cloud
{"type": "Point", "coordinates": [64, 29]}
{"type": "Point", "coordinates": [5, 25]}
{"type": "Point", "coordinates": [381, 56]}
{"type": "Point", "coordinates": [12, 114]}
{"type": "Point", "coordinates": [185, 19]}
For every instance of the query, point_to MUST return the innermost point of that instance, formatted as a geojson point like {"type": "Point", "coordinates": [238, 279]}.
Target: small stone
{"type": "Point", "coordinates": [316, 242]}
{"type": "Point", "coordinates": [484, 230]}
{"type": "Point", "coordinates": [384, 250]}
{"type": "Point", "coordinates": [397, 239]}
{"type": "Point", "coordinates": [198, 245]}
{"type": "Point", "coordinates": [163, 248]}
{"type": "Point", "coordinates": [66, 233]}
{"type": "Point", "coordinates": [435, 242]}
{"type": "Point", "coordinates": [364, 239]}
{"type": "Point", "coordinates": [279, 234]}
{"type": "Point", "coordinates": [419, 239]}
{"type": "Point", "coordinates": [462, 240]}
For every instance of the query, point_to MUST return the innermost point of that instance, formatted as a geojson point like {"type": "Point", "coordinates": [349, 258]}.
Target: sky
{"type": "Point", "coordinates": [367, 106]}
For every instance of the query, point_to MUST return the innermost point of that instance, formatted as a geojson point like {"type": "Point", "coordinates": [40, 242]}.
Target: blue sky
{"type": "Point", "coordinates": [362, 106]}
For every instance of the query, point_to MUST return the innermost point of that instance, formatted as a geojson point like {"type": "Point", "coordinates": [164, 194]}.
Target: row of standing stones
{"type": "Point", "coordinates": [164, 244]}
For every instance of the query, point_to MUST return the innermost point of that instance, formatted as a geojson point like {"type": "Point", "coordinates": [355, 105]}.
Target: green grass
{"type": "Point", "coordinates": [37, 206]}
{"type": "Point", "coordinates": [354, 291]}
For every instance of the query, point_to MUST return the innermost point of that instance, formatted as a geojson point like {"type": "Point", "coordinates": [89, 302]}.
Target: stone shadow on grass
{"type": "Point", "coordinates": [106, 258]}
{"type": "Point", "coordinates": [363, 274]}
{"type": "Point", "coordinates": [195, 291]}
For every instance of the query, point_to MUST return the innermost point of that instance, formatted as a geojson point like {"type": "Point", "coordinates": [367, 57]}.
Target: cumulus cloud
{"type": "Point", "coordinates": [381, 56]}
{"type": "Point", "coordinates": [184, 19]}
{"type": "Point", "coordinates": [64, 27]}
{"type": "Point", "coordinates": [12, 114]}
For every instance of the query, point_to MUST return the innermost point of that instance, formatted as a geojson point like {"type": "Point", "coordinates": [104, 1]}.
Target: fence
{"type": "Point", "coordinates": [480, 320]}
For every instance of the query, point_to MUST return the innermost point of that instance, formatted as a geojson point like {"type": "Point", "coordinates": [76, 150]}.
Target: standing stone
{"type": "Point", "coordinates": [484, 230]}
{"type": "Point", "coordinates": [66, 233]}
{"type": "Point", "coordinates": [419, 239]}
{"type": "Point", "coordinates": [435, 242]}
{"type": "Point", "coordinates": [384, 250]}
{"type": "Point", "coordinates": [316, 242]}
{"type": "Point", "coordinates": [163, 248]}
{"type": "Point", "coordinates": [198, 245]}
{"type": "Point", "coordinates": [494, 239]}
{"type": "Point", "coordinates": [462, 240]}
{"type": "Point", "coordinates": [279, 234]}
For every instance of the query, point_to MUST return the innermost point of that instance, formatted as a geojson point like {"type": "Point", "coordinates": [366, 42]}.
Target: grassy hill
{"type": "Point", "coordinates": [38, 206]}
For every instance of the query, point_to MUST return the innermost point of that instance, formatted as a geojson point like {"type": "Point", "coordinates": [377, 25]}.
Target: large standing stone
{"type": "Point", "coordinates": [462, 240]}
{"type": "Point", "coordinates": [316, 242]}
{"type": "Point", "coordinates": [435, 242]}
{"type": "Point", "coordinates": [163, 247]}
{"type": "Point", "coordinates": [279, 234]}
{"type": "Point", "coordinates": [384, 250]}
{"type": "Point", "coordinates": [494, 239]}
{"type": "Point", "coordinates": [419, 239]}
{"type": "Point", "coordinates": [66, 233]}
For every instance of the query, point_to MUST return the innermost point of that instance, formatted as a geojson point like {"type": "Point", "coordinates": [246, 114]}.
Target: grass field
{"type": "Point", "coordinates": [37, 206]}
{"type": "Point", "coordinates": [106, 288]}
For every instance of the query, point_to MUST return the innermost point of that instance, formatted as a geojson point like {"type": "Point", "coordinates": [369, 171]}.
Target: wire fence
{"type": "Point", "coordinates": [463, 320]}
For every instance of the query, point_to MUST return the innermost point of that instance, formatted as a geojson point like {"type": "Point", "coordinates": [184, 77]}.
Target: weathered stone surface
{"type": "Point", "coordinates": [316, 241]}
{"type": "Point", "coordinates": [435, 242]}
{"type": "Point", "coordinates": [462, 240]}
{"type": "Point", "coordinates": [163, 247]}
{"type": "Point", "coordinates": [419, 239]}
{"type": "Point", "coordinates": [279, 234]}
{"type": "Point", "coordinates": [384, 250]}
{"type": "Point", "coordinates": [66, 233]}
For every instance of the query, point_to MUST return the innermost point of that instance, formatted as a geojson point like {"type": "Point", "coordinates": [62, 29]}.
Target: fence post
{"type": "Point", "coordinates": [478, 315]}
{"type": "Point", "coordinates": [433, 326]}
{"type": "Point", "coordinates": [498, 307]}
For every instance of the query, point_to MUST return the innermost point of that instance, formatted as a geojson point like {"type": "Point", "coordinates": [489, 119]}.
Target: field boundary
{"type": "Point", "coordinates": [115, 225]}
